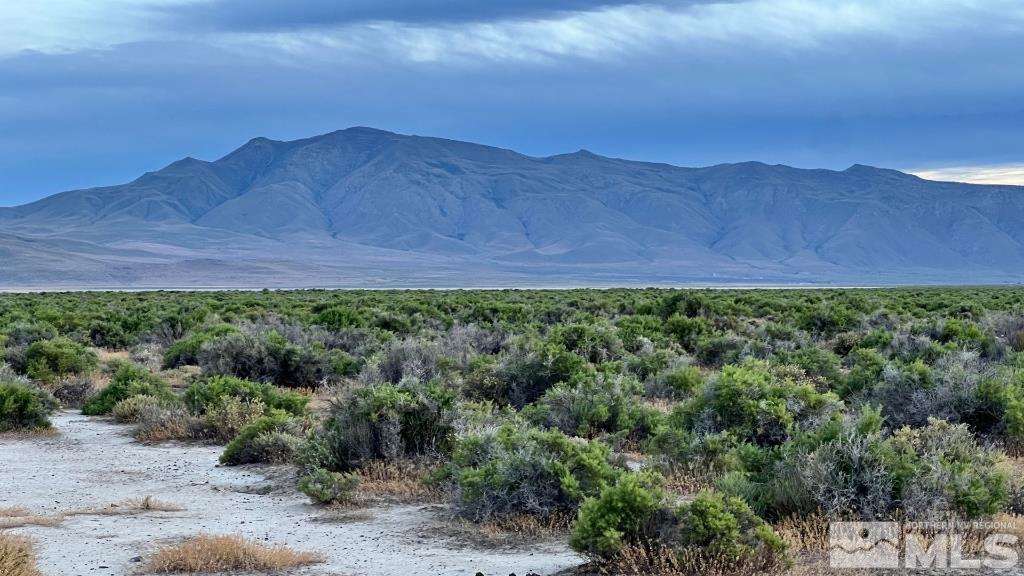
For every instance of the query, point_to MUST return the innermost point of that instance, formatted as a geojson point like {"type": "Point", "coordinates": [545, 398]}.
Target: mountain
{"type": "Point", "coordinates": [364, 207]}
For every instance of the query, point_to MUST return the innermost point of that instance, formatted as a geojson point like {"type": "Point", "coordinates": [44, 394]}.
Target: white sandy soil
{"type": "Point", "coordinates": [95, 463]}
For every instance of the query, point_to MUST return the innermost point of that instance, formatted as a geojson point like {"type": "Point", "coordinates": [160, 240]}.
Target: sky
{"type": "Point", "coordinates": [96, 92]}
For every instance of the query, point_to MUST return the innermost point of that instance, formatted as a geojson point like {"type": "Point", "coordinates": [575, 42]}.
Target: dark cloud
{"type": "Point", "coordinates": [73, 120]}
{"type": "Point", "coordinates": [266, 15]}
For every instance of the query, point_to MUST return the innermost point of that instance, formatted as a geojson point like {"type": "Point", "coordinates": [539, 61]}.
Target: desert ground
{"type": "Point", "coordinates": [90, 463]}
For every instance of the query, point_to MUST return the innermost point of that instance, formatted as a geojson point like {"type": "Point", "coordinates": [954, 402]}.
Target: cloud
{"type": "Point", "coordinates": [61, 26]}
{"type": "Point", "coordinates": [816, 84]}
{"type": "Point", "coordinates": [275, 15]}
{"type": "Point", "coordinates": [1012, 174]}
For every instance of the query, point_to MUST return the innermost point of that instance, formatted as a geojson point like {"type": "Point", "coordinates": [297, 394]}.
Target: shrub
{"type": "Point", "coordinates": [23, 334]}
{"type": "Point", "coordinates": [129, 410]}
{"type": "Point", "coordinates": [687, 331]}
{"type": "Point", "coordinates": [529, 373]}
{"type": "Point", "coordinates": [409, 359]}
{"type": "Point", "coordinates": [911, 393]}
{"type": "Point", "coordinates": [726, 528]}
{"type": "Point", "coordinates": [684, 382]}
{"type": "Point", "coordinates": [74, 391]}
{"type": "Point", "coordinates": [816, 362]}
{"type": "Point", "coordinates": [866, 371]}
{"type": "Point", "coordinates": [716, 351]}
{"type": "Point", "coordinates": [622, 514]}
{"type": "Point", "coordinates": [159, 423]}
{"type": "Point", "coordinates": [759, 403]}
{"type": "Point", "coordinates": [941, 467]}
{"type": "Point", "coordinates": [49, 359]}
{"type": "Point", "coordinates": [326, 487]}
{"type": "Point", "coordinates": [186, 350]}
{"type": "Point", "coordinates": [128, 380]}
{"type": "Point", "coordinates": [857, 470]}
{"type": "Point", "coordinates": [201, 395]}
{"type": "Point", "coordinates": [595, 404]}
{"type": "Point", "coordinates": [228, 416]}
{"type": "Point", "coordinates": [385, 421]}
{"type": "Point", "coordinates": [340, 318]}
{"type": "Point", "coordinates": [526, 471]}
{"type": "Point", "coordinates": [22, 408]}
{"type": "Point", "coordinates": [273, 439]}
{"type": "Point", "coordinates": [595, 342]}
{"type": "Point", "coordinates": [711, 530]}
{"type": "Point", "coordinates": [266, 357]}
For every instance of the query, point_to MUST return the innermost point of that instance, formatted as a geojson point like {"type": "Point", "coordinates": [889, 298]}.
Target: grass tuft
{"type": "Point", "coordinates": [18, 517]}
{"type": "Point", "coordinates": [17, 557]}
{"type": "Point", "coordinates": [127, 507]}
{"type": "Point", "coordinates": [206, 553]}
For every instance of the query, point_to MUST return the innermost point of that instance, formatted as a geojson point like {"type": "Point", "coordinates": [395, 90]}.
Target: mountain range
{"type": "Point", "coordinates": [368, 208]}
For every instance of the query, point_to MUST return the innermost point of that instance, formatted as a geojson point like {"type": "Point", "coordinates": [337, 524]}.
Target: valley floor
{"type": "Point", "coordinates": [93, 463]}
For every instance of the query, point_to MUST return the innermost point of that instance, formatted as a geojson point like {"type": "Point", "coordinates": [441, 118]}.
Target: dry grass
{"type": "Point", "coordinates": [516, 531]}
{"type": "Point", "coordinates": [106, 356]}
{"type": "Point", "coordinates": [206, 553]}
{"type": "Point", "coordinates": [639, 560]}
{"type": "Point", "coordinates": [181, 377]}
{"type": "Point", "coordinates": [17, 557]}
{"type": "Point", "coordinates": [30, 433]}
{"type": "Point", "coordinates": [16, 517]}
{"type": "Point", "coordinates": [400, 481]}
{"type": "Point", "coordinates": [804, 534]}
{"type": "Point", "coordinates": [131, 506]}
{"type": "Point", "coordinates": [528, 526]}
{"type": "Point", "coordinates": [688, 482]}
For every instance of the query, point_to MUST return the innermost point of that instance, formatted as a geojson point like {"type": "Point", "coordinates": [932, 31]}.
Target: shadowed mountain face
{"type": "Point", "coordinates": [362, 207]}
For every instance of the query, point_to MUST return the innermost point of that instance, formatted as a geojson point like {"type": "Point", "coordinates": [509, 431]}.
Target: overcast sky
{"type": "Point", "coordinates": [96, 92]}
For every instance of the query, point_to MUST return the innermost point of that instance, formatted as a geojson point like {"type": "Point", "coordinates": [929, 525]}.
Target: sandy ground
{"type": "Point", "coordinates": [94, 463]}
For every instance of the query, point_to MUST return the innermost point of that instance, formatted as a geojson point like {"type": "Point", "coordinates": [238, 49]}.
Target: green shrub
{"type": "Point", "coordinates": [942, 467]}
{"type": "Point", "coordinates": [621, 514]}
{"type": "Point", "coordinates": [266, 357]}
{"type": "Point", "coordinates": [526, 471]}
{"type": "Point", "coordinates": [47, 360]}
{"type": "Point", "coordinates": [128, 380]}
{"type": "Point", "coordinates": [386, 421]}
{"type": "Point", "coordinates": [685, 381]}
{"type": "Point", "coordinates": [273, 439]}
{"type": "Point", "coordinates": [22, 408]}
{"type": "Point", "coordinates": [326, 487]}
{"type": "Point", "coordinates": [711, 530]}
{"type": "Point", "coordinates": [226, 417]}
{"type": "Point", "coordinates": [24, 334]}
{"type": "Point", "coordinates": [715, 351]}
{"type": "Point", "coordinates": [688, 331]}
{"type": "Point", "coordinates": [855, 469]}
{"type": "Point", "coordinates": [816, 362]}
{"type": "Point", "coordinates": [595, 342]}
{"type": "Point", "coordinates": [759, 403]}
{"type": "Point", "coordinates": [201, 395]}
{"type": "Point", "coordinates": [724, 527]}
{"type": "Point", "coordinates": [528, 374]}
{"type": "Point", "coordinates": [595, 404]}
{"type": "Point", "coordinates": [340, 317]}
{"type": "Point", "coordinates": [186, 351]}
{"type": "Point", "coordinates": [865, 373]}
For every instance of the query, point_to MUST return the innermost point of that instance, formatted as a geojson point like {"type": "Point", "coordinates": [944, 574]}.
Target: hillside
{"type": "Point", "coordinates": [363, 207]}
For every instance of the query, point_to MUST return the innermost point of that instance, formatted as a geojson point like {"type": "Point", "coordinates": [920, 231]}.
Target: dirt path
{"type": "Point", "coordinates": [94, 463]}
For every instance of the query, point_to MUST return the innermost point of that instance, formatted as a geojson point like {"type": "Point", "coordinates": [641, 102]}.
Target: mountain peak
{"type": "Point", "coordinates": [368, 204]}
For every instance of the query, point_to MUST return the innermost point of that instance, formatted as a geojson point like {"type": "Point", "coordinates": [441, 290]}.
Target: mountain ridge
{"type": "Point", "coordinates": [363, 206]}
